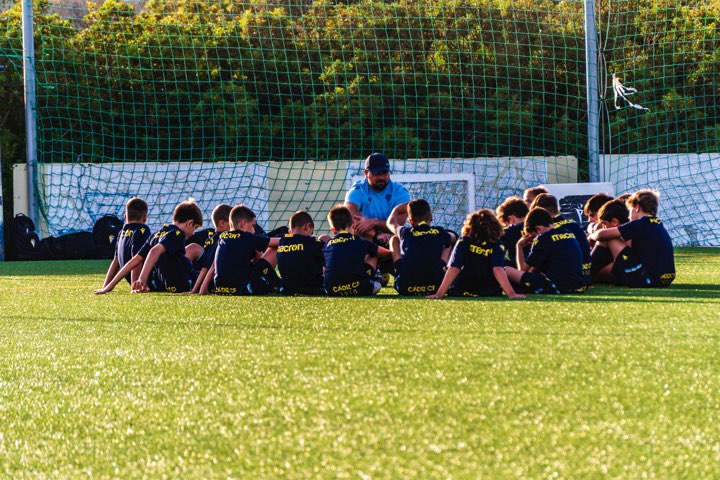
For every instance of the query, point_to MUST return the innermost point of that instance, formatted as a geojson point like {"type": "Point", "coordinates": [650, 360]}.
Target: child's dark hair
{"type": "Point", "coordinates": [595, 202]}
{"type": "Point", "coordinates": [623, 198]}
{"type": "Point", "coordinates": [240, 213]}
{"type": "Point", "coordinates": [534, 191]}
{"type": "Point", "coordinates": [647, 200]}
{"type": "Point", "coordinates": [482, 226]}
{"type": "Point", "coordinates": [188, 210]}
{"type": "Point", "coordinates": [614, 209]}
{"type": "Point", "coordinates": [419, 210]}
{"type": "Point", "coordinates": [537, 217]}
{"type": "Point", "coordinates": [220, 213]}
{"type": "Point", "coordinates": [340, 218]}
{"type": "Point", "coordinates": [299, 219]}
{"type": "Point", "coordinates": [136, 209]}
{"type": "Point", "coordinates": [512, 206]}
{"type": "Point", "coordinates": [548, 202]}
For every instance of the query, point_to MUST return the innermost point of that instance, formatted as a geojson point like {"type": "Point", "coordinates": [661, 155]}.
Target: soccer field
{"type": "Point", "coordinates": [614, 382]}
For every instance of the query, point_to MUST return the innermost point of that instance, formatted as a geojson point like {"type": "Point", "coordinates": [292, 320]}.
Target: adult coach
{"type": "Point", "coordinates": [372, 199]}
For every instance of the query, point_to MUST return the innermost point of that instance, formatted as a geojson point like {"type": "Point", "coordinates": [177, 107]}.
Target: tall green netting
{"type": "Point", "coordinates": [276, 104]}
{"type": "Point", "coordinates": [666, 135]}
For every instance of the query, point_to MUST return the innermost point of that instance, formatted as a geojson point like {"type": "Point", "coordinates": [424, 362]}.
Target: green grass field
{"type": "Point", "coordinates": [613, 383]}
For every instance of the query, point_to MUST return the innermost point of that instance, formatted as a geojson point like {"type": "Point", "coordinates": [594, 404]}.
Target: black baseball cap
{"type": "Point", "coordinates": [377, 163]}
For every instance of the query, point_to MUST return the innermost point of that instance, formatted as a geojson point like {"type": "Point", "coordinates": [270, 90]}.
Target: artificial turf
{"type": "Point", "coordinates": [615, 382]}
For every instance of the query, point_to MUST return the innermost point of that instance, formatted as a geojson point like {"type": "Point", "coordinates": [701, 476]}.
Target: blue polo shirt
{"type": "Point", "coordinates": [374, 204]}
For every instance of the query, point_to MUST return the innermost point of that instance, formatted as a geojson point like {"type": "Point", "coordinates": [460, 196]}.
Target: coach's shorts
{"type": "Point", "coordinates": [630, 271]}
{"type": "Point", "coordinates": [535, 282]}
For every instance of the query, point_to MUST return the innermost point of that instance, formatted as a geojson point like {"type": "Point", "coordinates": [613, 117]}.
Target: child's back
{"type": "Point", "coordinates": [421, 268]}
{"type": "Point", "coordinates": [130, 240]}
{"type": "Point", "coordinates": [346, 272]}
{"type": "Point", "coordinates": [652, 245]}
{"type": "Point", "coordinates": [173, 270]}
{"type": "Point", "coordinates": [300, 262]}
{"type": "Point", "coordinates": [235, 273]}
{"type": "Point", "coordinates": [556, 254]}
{"type": "Point", "coordinates": [476, 261]}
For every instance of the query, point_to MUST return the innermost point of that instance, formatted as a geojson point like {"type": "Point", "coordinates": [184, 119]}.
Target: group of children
{"type": "Point", "coordinates": [526, 246]}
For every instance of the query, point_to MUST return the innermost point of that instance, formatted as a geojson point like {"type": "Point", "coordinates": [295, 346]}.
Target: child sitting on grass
{"type": "Point", "coordinates": [419, 252]}
{"type": "Point", "coordinates": [221, 222]}
{"type": "Point", "coordinates": [350, 260]}
{"type": "Point", "coordinates": [244, 262]}
{"type": "Point", "coordinates": [555, 263]}
{"type": "Point", "coordinates": [163, 256]}
{"type": "Point", "coordinates": [511, 214]}
{"type": "Point", "coordinates": [650, 260]}
{"type": "Point", "coordinates": [130, 240]}
{"type": "Point", "coordinates": [300, 258]}
{"type": "Point", "coordinates": [611, 215]}
{"type": "Point", "coordinates": [477, 264]}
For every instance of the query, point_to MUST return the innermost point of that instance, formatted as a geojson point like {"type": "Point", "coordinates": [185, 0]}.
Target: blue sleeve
{"type": "Point", "coordinates": [632, 229]}
{"type": "Point", "coordinates": [209, 255]}
{"type": "Point", "coordinates": [538, 254]}
{"type": "Point", "coordinates": [145, 249]}
{"type": "Point", "coordinates": [497, 259]}
{"type": "Point", "coordinates": [356, 195]}
{"type": "Point", "coordinates": [260, 242]}
{"type": "Point", "coordinates": [370, 247]}
{"type": "Point", "coordinates": [173, 242]}
{"type": "Point", "coordinates": [459, 254]}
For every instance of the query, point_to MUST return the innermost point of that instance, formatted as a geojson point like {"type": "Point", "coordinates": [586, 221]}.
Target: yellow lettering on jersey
{"type": "Point", "coordinates": [561, 236]}
{"type": "Point", "coordinates": [171, 289]}
{"type": "Point", "coordinates": [339, 240]}
{"type": "Point", "coordinates": [231, 235]}
{"type": "Point", "coordinates": [127, 233]}
{"type": "Point", "coordinates": [655, 220]}
{"type": "Point", "coordinates": [298, 247]}
{"type": "Point", "coordinates": [346, 287]}
{"type": "Point", "coordinates": [480, 251]}
{"type": "Point", "coordinates": [421, 289]}
{"type": "Point", "coordinates": [420, 233]}
{"type": "Point", "coordinates": [226, 290]}
{"type": "Point", "coordinates": [563, 222]}
{"type": "Point", "coordinates": [667, 276]}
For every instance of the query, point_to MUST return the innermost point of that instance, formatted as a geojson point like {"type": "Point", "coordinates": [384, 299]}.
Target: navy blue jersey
{"type": "Point", "coordinates": [130, 240]}
{"type": "Point", "coordinates": [556, 253]}
{"type": "Point", "coordinates": [345, 262]}
{"type": "Point", "coordinates": [573, 227]}
{"type": "Point", "coordinates": [653, 247]}
{"type": "Point", "coordinates": [510, 237]}
{"type": "Point", "coordinates": [300, 262]}
{"type": "Point", "coordinates": [476, 263]}
{"type": "Point", "coordinates": [234, 257]}
{"type": "Point", "coordinates": [421, 269]}
{"type": "Point", "coordinates": [208, 256]}
{"type": "Point", "coordinates": [173, 270]}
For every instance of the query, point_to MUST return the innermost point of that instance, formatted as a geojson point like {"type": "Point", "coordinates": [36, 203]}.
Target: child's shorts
{"type": "Point", "coordinates": [359, 288]}
{"type": "Point", "coordinates": [600, 258]}
{"type": "Point", "coordinates": [415, 288]}
{"type": "Point", "coordinates": [630, 271]}
{"type": "Point", "coordinates": [534, 282]}
{"type": "Point", "coordinates": [263, 279]}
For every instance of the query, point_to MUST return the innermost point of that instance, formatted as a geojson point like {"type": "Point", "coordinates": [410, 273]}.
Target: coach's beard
{"type": "Point", "coordinates": [379, 185]}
